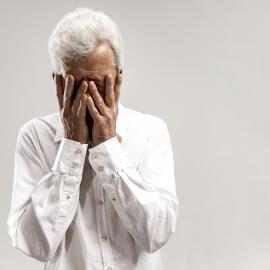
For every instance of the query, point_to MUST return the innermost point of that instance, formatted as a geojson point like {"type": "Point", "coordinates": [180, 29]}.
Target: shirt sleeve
{"type": "Point", "coordinates": [44, 200]}
{"type": "Point", "coordinates": [144, 198]}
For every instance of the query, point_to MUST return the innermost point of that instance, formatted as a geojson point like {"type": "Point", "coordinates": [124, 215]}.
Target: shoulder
{"type": "Point", "coordinates": [146, 120]}
{"type": "Point", "coordinates": [40, 125]}
{"type": "Point", "coordinates": [144, 123]}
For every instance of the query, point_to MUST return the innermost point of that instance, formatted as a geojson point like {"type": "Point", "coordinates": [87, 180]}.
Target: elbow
{"type": "Point", "coordinates": [164, 228]}
{"type": "Point", "coordinates": [32, 246]}
{"type": "Point", "coordinates": [158, 242]}
{"type": "Point", "coordinates": [45, 257]}
{"type": "Point", "coordinates": [159, 237]}
{"type": "Point", "coordinates": [42, 257]}
{"type": "Point", "coordinates": [40, 253]}
{"type": "Point", "coordinates": [31, 239]}
{"type": "Point", "coordinates": [152, 248]}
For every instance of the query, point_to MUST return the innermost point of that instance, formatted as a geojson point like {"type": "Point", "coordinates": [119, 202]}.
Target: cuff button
{"type": "Point", "coordinates": [100, 203]}
{"type": "Point", "coordinates": [75, 165]}
{"type": "Point", "coordinates": [100, 168]}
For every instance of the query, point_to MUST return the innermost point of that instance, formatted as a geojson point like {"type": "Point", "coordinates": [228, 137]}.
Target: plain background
{"type": "Point", "coordinates": [202, 66]}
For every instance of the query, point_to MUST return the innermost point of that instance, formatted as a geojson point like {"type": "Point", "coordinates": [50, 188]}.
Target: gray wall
{"type": "Point", "coordinates": [202, 66]}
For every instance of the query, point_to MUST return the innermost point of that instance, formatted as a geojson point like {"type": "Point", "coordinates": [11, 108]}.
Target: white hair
{"type": "Point", "coordinates": [79, 33]}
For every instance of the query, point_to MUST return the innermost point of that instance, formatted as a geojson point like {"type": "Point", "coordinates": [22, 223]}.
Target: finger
{"type": "Point", "coordinates": [59, 89]}
{"type": "Point", "coordinates": [92, 109]}
{"type": "Point", "coordinates": [82, 90]}
{"type": "Point", "coordinates": [69, 87]}
{"type": "Point", "coordinates": [117, 87]}
{"type": "Point", "coordinates": [82, 107]}
{"type": "Point", "coordinates": [99, 103]}
{"type": "Point", "coordinates": [109, 98]}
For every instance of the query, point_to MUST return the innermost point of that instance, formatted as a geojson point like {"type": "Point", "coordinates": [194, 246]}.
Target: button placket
{"type": "Point", "coordinates": [104, 238]}
{"type": "Point", "coordinates": [78, 161]}
{"type": "Point", "coordinates": [102, 226]}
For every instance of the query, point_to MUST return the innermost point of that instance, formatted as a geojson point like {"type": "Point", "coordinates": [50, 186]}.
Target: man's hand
{"type": "Point", "coordinates": [73, 113]}
{"type": "Point", "coordinates": [104, 113]}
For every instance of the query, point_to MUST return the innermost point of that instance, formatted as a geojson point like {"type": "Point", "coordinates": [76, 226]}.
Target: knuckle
{"type": "Point", "coordinates": [74, 108]}
{"type": "Point", "coordinates": [100, 103]}
{"type": "Point", "coordinates": [113, 111]}
{"type": "Point", "coordinates": [103, 124]}
{"type": "Point", "coordinates": [83, 85]}
{"type": "Point", "coordinates": [96, 112]}
{"type": "Point", "coordinates": [110, 117]}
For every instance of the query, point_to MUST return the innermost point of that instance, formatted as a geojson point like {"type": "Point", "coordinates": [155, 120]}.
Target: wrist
{"type": "Point", "coordinates": [96, 142]}
{"type": "Point", "coordinates": [80, 140]}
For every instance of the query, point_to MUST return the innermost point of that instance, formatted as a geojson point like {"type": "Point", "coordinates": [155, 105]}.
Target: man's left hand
{"type": "Point", "coordinates": [104, 112]}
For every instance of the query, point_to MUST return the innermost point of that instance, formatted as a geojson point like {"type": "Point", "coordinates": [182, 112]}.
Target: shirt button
{"type": "Point", "coordinates": [75, 165]}
{"type": "Point", "coordinates": [68, 197]}
{"type": "Point", "coordinates": [113, 198]}
{"type": "Point", "coordinates": [104, 238]}
{"type": "Point", "coordinates": [100, 202]}
{"type": "Point", "coordinates": [78, 151]}
{"type": "Point", "coordinates": [100, 168]}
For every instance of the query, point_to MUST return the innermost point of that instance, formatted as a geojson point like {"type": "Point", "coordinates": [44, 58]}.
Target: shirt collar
{"type": "Point", "coordinates": [120, 125]}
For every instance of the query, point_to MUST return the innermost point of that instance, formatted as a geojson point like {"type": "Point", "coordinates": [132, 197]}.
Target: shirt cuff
{"type": "Point", "coordinates": [107, 159]}
{"type": "Point", "coordinates": [70, 158]}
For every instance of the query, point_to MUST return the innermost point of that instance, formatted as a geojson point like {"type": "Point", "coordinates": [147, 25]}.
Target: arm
{"type": "Point", "coordinates": [44, 200]}
{"type": "Point", "coordinates": [146, 199]}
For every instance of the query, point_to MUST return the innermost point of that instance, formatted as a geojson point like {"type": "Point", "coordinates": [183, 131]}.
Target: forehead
{"type": "Point", "coordinates": [94, 66]}
{"type": "Point", "coordinates": [95, 75]}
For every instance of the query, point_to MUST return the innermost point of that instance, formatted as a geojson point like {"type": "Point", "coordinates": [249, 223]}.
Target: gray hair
{"type": "Point", "coordinates": [79, 33]}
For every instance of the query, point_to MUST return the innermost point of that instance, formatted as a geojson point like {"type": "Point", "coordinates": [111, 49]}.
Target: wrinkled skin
{"type": "Point", "coordinates": [88, 95]}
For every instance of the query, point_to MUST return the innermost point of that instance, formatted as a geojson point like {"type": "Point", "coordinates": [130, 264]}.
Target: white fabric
{"type": "Point", "coordinates": [78, 207]}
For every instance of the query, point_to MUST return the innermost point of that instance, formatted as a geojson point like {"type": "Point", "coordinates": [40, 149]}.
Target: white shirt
{"type": "Point", "coordinates": [78, 207]}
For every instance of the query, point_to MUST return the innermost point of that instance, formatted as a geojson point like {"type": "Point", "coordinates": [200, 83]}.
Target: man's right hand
{"type": "Point", "coordinates": [73, 112]}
